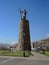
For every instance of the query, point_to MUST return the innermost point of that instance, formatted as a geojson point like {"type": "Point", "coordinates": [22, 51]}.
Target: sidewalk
{"type": "Point", "coordinates": [38, 56]}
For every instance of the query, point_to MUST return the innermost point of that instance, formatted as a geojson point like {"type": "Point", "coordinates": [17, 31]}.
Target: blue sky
{"type": "Point", "coordinates": [37, 14]}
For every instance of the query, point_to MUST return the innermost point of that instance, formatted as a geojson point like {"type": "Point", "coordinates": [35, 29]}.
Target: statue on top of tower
{"type": "Point", "coordinates": [23, 14]}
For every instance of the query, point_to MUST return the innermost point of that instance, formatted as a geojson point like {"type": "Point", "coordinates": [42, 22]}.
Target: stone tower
{"type": "Point", "coordinates": [24, 43]}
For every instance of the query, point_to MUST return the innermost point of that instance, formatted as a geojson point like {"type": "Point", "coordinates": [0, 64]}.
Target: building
{"type": "Point", "coordinates": [42, 44]}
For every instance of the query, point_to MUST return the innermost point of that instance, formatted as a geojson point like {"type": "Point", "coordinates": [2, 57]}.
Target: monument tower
{"type": "Point", "coordinates": [24, 43]}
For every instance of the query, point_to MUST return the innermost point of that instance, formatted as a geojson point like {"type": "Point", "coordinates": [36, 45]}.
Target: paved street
{"type": "Point", "coordinates": [35, 59]}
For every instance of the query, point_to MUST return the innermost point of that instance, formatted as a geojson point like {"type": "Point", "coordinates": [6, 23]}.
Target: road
{"type": "Point", "coordinates": [35, 59]}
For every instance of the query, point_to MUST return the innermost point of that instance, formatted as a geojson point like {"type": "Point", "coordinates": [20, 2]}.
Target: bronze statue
{"type": "Point", "coordinates": [23, 14]}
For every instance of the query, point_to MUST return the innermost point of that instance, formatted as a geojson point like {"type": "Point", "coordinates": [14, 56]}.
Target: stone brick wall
{"type": "Point", "coordinates": [24, 43]}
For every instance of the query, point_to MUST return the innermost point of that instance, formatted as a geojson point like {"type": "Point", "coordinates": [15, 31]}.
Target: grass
{"type": "Point", "coordinates": [17, 53]}
{"type": "Point", "coordinates": [46, 53]}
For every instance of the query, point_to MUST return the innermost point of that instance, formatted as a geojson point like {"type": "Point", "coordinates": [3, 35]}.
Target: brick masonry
{"type": "Point", "coordinates": [24, 43]}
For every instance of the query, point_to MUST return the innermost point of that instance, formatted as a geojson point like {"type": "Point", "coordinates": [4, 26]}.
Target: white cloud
{"type": "Point", "coordinates": [47, 35]}
{"type": "Point", "coordinates": [12, 43]}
